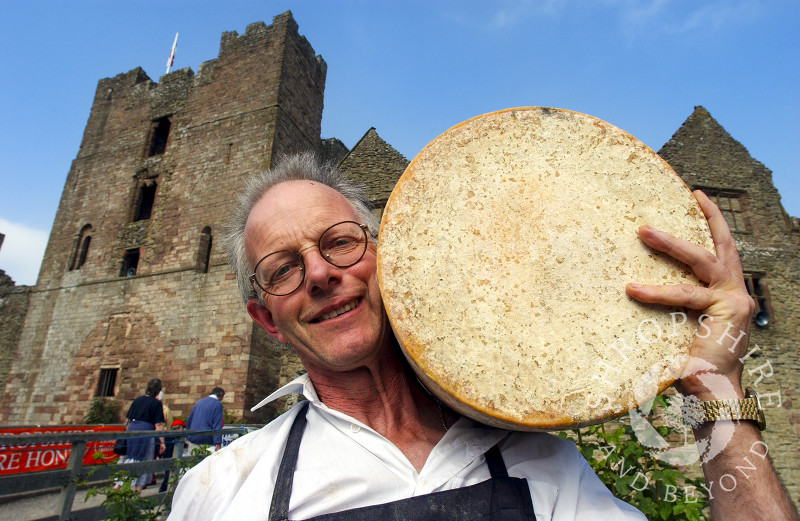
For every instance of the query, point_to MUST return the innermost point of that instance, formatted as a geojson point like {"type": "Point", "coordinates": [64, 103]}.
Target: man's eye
{"type": "Point", "coordinates": [342, 242]}
{"type": "Point", "coordinates": [282, 272]}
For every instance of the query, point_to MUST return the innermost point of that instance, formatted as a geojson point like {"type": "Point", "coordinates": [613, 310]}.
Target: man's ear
{"type": "Point", "coordinates": [263, 317]}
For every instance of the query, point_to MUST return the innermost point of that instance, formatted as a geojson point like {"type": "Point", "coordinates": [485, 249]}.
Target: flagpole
{"type": "Point", "coordinates": [172, 53]}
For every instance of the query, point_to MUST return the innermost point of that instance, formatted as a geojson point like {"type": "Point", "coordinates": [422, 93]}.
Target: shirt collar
{"type": "Point", "coordinates": [300, 385]}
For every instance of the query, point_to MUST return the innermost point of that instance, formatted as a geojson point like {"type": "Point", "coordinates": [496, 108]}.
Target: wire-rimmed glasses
{"type": "Point", "coordinates": [282, 272]}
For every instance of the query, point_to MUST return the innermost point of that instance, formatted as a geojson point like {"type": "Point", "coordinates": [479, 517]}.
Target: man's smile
{"type": "Point", "coordinates": [336, 312]}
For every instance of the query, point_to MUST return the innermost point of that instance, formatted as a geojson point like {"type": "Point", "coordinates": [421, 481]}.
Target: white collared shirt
{"type": "Point", "coordinates": [343, 464]}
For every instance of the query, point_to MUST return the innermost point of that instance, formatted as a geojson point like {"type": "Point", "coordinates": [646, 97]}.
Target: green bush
{"type": "Point", "coordinates": [100, 411]}
{"type": "Point", "coordinates": [661, 491]}
{"type": "Point", "coordinates": [127, 504]}
{"type": "Point", "coordinates": [228, 418]}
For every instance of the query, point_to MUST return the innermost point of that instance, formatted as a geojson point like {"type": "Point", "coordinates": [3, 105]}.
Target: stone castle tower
{"type": "Point", "coordinates": [133, 284]}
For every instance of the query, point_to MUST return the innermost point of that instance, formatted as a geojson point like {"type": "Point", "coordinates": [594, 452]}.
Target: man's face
{"type": "Point", "coordinates": [335, 320]}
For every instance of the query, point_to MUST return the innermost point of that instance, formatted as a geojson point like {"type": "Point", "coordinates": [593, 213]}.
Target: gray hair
{"type": "Point", "coordinates": [298, 167]}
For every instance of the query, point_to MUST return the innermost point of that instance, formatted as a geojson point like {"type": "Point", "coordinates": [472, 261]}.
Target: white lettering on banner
{"type": "Point", "coordinates": [47, 458]}
{"type": "Point", "coordinates": [9, 461]}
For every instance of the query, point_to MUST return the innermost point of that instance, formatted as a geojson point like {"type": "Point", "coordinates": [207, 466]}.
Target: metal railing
{"type": "Point", "coordinates": [67, 479]}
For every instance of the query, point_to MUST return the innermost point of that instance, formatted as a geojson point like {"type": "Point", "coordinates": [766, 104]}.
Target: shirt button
{"type": "Point", "coordinates": [354, 427]}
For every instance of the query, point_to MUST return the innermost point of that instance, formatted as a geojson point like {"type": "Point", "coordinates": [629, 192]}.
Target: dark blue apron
{"type": "Point", "coordinates": [500, 498]}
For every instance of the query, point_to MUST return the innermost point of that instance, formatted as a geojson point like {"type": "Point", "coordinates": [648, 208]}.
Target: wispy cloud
{"type": "Point", "coordinates": [681, 16]}
{"type": "Point", "coordinates": [714, 16]}
{"type": "Point", "coordinates": [511, 12]}
{"type": "Point", "coordinates": [636, 17]}
{"type": "Point", "coordinates": [22, 251]}
{"type": "Point", "coordinates": [502, 14]}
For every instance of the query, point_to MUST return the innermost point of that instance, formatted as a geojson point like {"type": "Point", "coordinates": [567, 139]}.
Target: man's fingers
{"type": "Point", "coordinates": [712, 301]}
{"type": "Point", "coordinates": [720, 233]}
{"type": "Point", "coordinates": [685, 295]}
{"type": "Point", "coordinates": [703, 263]}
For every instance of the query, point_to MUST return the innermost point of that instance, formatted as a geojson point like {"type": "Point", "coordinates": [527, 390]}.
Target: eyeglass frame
{"type": "Point", "coordinates": [254, 281]}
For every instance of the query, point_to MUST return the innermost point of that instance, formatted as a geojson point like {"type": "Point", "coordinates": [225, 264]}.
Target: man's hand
{"type": "Point", "coordinates": [716, 355]}
{"type": "Point", "coordinates": [722, 338]}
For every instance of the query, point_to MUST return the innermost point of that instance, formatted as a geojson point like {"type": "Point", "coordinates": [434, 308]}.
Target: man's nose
{"type": "Point", "coordinates": [320, 273]}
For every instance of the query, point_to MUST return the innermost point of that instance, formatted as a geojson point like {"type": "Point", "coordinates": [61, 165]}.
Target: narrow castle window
{"type": "Point", "coordinates": [204, 250]}
{"type": "Point", "coordinates": [83, 251]}
{"type": "Point", "coordinates": [228, 153]}
{"type": "Point", "coordinates": [145, 200]}
{"type": "Point", "coordinates": [757, 288]}
{"type": "Point", "coordinates": [106, 382]}
{"type": "Point", "coordinates": [129, 263]}
{"type": "Point", "coordinates": [159, 133]}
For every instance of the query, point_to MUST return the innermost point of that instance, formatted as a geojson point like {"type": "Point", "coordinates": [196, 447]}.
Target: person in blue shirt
{"type": "Point", "coordinates": [206, 415]}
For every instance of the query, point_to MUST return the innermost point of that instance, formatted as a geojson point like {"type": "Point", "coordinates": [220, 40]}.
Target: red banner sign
{"type": "Point", "coordinates": [33, 457]}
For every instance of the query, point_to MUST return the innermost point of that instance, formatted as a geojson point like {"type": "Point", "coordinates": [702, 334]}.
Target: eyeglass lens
{"type": "Point", "coordinates": [282, 272]}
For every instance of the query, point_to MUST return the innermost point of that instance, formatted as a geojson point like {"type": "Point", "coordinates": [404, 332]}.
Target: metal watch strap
{"type": "Point", "coordinates": [747, 409]}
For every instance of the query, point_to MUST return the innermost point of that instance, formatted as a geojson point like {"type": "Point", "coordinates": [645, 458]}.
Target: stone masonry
{"type": "Point", "coordinates": [376, 165]}
{"type": "Point", "coordinates": [13, 308]}
{"type": "Point", "coordinates": [157, 168]}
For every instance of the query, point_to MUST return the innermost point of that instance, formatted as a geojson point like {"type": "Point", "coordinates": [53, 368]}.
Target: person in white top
{"type": "Point", "coordinates": [370, 442]}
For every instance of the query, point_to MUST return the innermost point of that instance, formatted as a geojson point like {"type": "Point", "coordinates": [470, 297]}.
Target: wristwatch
{"type": "Point", "coordinates": [747, 409]}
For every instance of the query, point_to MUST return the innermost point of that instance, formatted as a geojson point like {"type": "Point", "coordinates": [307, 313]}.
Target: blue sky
{"type": "Point", "coordinates": [411, 70]}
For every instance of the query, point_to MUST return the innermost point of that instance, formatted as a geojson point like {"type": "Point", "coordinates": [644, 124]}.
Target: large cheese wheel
{"type": "Point", "coordinates": [503, 256]}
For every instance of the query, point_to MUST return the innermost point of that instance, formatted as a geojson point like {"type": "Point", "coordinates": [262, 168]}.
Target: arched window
{"type": "Point", "coordinates": [80, 248]}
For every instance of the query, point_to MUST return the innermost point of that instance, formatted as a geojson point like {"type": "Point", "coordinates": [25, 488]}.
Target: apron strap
{"type": "Point", "coordinates": [494, 460]}
{"type": "Point", "coordinates": [279, 509]}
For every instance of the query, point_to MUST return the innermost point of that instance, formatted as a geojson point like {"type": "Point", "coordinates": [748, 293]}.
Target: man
{"type": "Point", "coordinates": [370, 442]}
{"type": "Point", "coordinates": [206, 415]}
